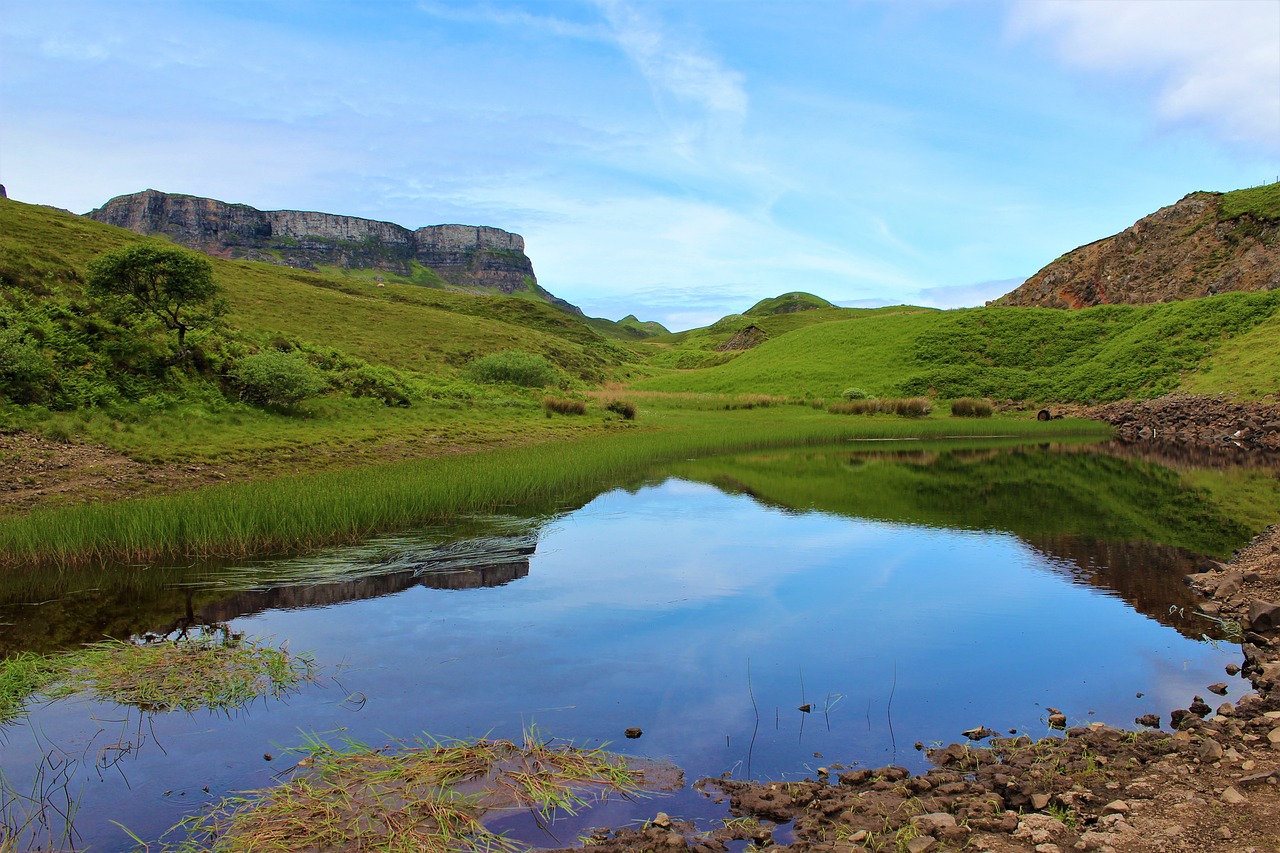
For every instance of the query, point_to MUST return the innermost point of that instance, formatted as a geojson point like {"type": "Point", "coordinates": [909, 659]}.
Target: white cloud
{"type": "Point", "coordinates": [674, 67]}
{"type": "Point", "coordinates": [966, 295]}
{"type": "Point", "coordinates": [1213, 63]}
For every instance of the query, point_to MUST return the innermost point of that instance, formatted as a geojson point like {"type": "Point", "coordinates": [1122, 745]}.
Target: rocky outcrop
{"type": "Point", "coordinates": [1190, 249]}
{"type": "Point", "coordinates": [465, 256]}
{"type": "Point", "coordinates": [1193, 420]}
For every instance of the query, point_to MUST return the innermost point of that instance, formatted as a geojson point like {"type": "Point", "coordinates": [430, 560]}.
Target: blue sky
{"type": "Point", "coordinates": [676, 160]}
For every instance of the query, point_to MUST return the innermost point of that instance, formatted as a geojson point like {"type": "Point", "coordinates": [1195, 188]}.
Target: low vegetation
{"type": "Point", "coordinates": [422, 796]}
{"type": "Point", "coordinates": [217, 670]}
{"type": "Point", "coordinates": [969, 407]}
{"type": "Point", "coordinates": [912, 407]}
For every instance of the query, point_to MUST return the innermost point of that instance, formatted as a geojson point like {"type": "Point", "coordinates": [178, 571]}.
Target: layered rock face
{"type": "Point", "coordinates": [1183, 251]}
{"type": "Point", "coordinates": [467, 256]}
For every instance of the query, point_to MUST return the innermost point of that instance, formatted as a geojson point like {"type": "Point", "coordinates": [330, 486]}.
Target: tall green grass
{"type": "Point", "coordinates": [299, 512]}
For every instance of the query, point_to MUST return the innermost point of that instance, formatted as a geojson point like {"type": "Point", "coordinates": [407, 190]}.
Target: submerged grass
{"type": "Point", "coordinates": [422, 796]}
{"type": "Point", "coordinates": [219, 670]}
{"type": "Point", "coordinates": [293, 513]}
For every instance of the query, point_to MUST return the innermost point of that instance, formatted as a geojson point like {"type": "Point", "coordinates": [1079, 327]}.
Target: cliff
{"type": "Point", "coordinates": [471, 257]}
{"type": "Point", "coordinates": [1207, 243]}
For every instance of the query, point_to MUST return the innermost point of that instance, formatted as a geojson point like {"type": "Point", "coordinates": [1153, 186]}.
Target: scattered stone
{"type": "Point", "coordinates": [923, 844]}
{"type": "Point", "coordinates": [1224, 832]}
{"type": "Point", "coordinates": [634, 732]}
{"type": "Point", "coordinates": [1232, 797]}
{"type": "Point", "coordinates": [1057, 721]}
{"type": "Point", "coordinates": [1040, 802]}
{"type": "Point", "coordinates": [1264, 616]}
{"type": "Point", "coordinates": [979, 733]}
{"type": "Point", "coordinates": [1199, 707]}
{"type": "Point", "coordinates": [663, 820]}
{"type": "Point", "coordinates": [1115, 807]}
{"type": "Point", "coordinates": [1151, 721]}
{"type": "Point", "coordinates": [937, 824]}
{"type": "Point", "coordinates": [1210, 750]}
{"type": "Point", "coordinates": [806, 708]}
{"type": "Point", "coordinates": [1219, 688]}
{"type": "Point", "coordinates": [1232, 669]}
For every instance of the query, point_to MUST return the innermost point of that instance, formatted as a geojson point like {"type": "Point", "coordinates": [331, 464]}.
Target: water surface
{"type": "Point", "coordinates": [903, 595]}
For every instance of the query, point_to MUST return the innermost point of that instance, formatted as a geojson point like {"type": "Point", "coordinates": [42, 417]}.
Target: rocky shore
{"type": "Point", "coordinates": [1208, 783]}
{"type": "Point", "coordinates": [1193, 420]}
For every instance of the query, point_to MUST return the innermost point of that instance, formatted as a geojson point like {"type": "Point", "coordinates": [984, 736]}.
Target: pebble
{"type": "Point", "coordinates": [1224, 832]}
{"type": "Point", "coordinates": [1232, 797]}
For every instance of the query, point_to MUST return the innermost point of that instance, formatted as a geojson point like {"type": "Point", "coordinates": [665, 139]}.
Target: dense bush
{"type": "Point", "coordinates": [971, 407]}
{"type": "Point", "coordinates": [854, 394]}
{"type": "Point", "coordinates": [379, 382]}
{"type": "Point", "coordinates": [515, 368]}
{"type": "Point", "coordinates": [563, 406]}
{"type": "Point", "coordinates": [622, 407]}
{"type": "Point", "coordinates": [274, 378]}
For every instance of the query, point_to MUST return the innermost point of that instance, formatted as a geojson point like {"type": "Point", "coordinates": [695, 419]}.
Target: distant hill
{"type": "Point", "coordinates": [473, 258]}
{"type": "Point", "coordinates": [646, 329]}
{"type": "Point", "coordinates": [1208, 243]}
{"type": "Point", "coordinates": [788, 303]}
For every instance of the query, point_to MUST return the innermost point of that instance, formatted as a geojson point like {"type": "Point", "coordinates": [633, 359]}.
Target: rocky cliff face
{"type": "Point", "coordinates": [466, 256]}
{"type": "Point", "coordinates": [1187, 250]}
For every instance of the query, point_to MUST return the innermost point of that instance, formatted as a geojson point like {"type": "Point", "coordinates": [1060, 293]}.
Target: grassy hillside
{"type": "Point", "coordinates": [1101, 354]}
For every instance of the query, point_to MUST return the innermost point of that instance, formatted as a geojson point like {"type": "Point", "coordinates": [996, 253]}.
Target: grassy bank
{"type": "Point", "coordinates": [345, 505]}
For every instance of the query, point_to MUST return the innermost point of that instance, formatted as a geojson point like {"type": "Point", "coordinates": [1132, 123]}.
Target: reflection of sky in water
{"type": "Point", "coordinates": [650, 609]}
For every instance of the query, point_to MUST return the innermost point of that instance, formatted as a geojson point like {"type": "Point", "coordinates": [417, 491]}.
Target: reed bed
{"type": "Point", "coordinates": [910, 407]}
{"type": "Point", "coordinates": [295, 513]}
{"type": "Point", "coordinates": [419, 796]}
{"type": "Point", "coordinates": [971, 407]}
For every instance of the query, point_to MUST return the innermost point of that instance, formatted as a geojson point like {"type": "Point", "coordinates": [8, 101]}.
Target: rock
{"type": "Point", "coordinates": [979, 733]}
{"type": "Point", "coordinates": [1232, 797]}
{"type": "Point", "coordinates": [634, 732]}
{"type": "Point", "coordinates": [937, 824]}
{"type": "Point", "coordinates": [1232, 669]}
{"type": "Point", "coordinates": [1273, 737]}
{"type": "Point", "coordinates": [1219, 688]}
{"type": "Point", "coordinates": [1264, 616]}
{"type": "Point", "coordinates": [1210, 750]}
{"type": "Point", "coordinates": [1057, 721]}
{"type": "Point", "coordinates": [1228, 586]}
{"type": "Point", "coordinates": [663, 820]}
{"type": "Point", "coordinates": [1040, 802]}
{"type": "Point", "coordinates": [923, 844]}
{"type": "Point", "coordinates": [1115, 807]}
{"type": "Point", "coordinates": [1039, 829]}
{"type": "Point", "coordinates": [1151, 721]}
{"type": "Point", "coordinates": [1199, 708]}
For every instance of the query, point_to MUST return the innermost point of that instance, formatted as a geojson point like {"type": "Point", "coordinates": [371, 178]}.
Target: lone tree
{"type": "Point", "coordinates": [174, 284]}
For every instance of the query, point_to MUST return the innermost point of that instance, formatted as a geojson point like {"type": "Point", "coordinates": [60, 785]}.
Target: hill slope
{"type": "Point", "coordinates": [1102, 353]}
{"type": "Point", "coordinates": [1207, 243]}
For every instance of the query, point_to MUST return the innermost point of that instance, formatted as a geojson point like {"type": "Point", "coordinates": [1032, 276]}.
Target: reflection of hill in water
{"type": "Point", "coordinates": [1106, 516]}
{"type": "Point", "coordinates": [85, 606]}
{"type": "Point", "coordinates": [1149, 577]}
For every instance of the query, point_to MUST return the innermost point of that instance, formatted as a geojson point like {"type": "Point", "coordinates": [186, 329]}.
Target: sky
{"type": "Point", "coordinates": [674, 160]}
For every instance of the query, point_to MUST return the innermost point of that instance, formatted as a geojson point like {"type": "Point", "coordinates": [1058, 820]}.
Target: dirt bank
{"type": "Point", "coordinates": [1212, 785]}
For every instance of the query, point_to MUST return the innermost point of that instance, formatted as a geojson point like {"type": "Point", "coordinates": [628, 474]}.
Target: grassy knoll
{"type": "Point", "coordinates": [344, 505]}
{"type": "Point", "coordinates": [1103, 353]}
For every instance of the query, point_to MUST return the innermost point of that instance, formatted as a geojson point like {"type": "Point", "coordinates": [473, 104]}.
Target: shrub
{"type": "Point", "coordinates": [563, 406]}
{"type": "Point", "coordinates": [854, 394]}
{"type": "Point", "coordinates": [379, 382]}
{"type": "Point", "coordinates": [970, 407]}
{"type": "Point", "coordinates": [516, 368]}
{"type": "Point", "coordinates": [911, 407]}
{"type": "Point", "coordinates": [274, 378]}
{"type": "Point", "coordinates": [622, 407]}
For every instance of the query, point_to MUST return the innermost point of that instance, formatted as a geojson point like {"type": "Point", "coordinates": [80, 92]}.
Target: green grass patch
{"type": "Point", "coordinates": [1259, 202]}
{"type": "Point", "coordinates": [421, 796]}
{"type": "Point", "coordinates": [218, 670]}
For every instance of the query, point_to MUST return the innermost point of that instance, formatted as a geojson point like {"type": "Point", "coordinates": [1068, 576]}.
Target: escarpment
{"type": "Point", "coordinates": [471, 257]}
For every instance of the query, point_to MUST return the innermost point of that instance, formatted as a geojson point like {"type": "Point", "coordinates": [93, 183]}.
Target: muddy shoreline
{"type": "Point", "coordinates": [1208, 784]}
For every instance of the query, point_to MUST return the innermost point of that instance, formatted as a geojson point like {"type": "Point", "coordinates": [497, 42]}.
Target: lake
{"type": "Point", "coordinates": [902, 592]}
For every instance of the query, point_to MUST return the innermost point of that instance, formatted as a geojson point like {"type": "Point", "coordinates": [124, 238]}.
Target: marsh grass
{"type": "Point", "coordinates": [971, 407]}
{"type": "Point", "coordinates": [911, 407]}
{"type": "Point", "coordinates": [563, 406]}
{"type": "Point", "coordinates": [424, 796]}
{"type": "Point", "coordinates": [291, 514]}
{"type": "Point", "coordinates": [218, 670]}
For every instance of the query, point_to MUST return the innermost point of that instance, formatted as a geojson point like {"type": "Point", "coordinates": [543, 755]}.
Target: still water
{"type": "Point", "coordinates": [903, 595]}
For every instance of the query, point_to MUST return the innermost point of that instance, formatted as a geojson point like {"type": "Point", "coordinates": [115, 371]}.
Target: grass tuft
{"type": "Point", "coordinates": [971, 407]}
{"type": "Point", "coordinates": [426, 796]}
{"type": "Point", "coordinates": [220, 670]}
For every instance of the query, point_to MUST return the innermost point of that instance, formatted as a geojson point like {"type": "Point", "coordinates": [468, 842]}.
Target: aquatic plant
{"type": "Point", "coordinates": [421, 795]}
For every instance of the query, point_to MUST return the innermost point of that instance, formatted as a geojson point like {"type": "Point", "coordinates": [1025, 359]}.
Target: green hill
{"type": "Point", "coordinates": [1101, 353]}
{"type": "Point", "coordinates": [788, 303]}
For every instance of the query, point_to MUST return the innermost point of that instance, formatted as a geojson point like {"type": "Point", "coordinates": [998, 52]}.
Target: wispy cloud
{"type": "Point", "coordinates": [673, 66]}
{"type": "Point", "coordinates": [1215, 64]}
